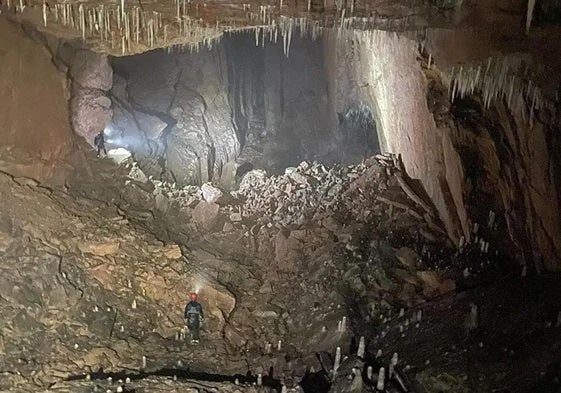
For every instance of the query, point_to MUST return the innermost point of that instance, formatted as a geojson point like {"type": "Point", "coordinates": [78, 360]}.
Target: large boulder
{"type": "Point", "coordinates": [206, 215]}
{"type": "Point", "coordinates": [90, 112]}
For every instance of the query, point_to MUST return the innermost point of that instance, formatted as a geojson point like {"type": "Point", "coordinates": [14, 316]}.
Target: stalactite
{"type": "Point", "coordinates": [530, 15]}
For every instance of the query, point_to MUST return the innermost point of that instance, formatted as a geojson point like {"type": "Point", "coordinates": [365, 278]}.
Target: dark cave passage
{"type": "Point", "coordinates": [200, 114]}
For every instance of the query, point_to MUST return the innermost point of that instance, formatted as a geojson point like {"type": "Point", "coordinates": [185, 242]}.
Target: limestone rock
{"type": "Point", "coordinates": [172, 251]}
{"type": "Point", "coordinates": [211, 194]}
{"type": "Point", "coordinates": [434, 284]}
{"type": "Point", "coordinates": [234, 337]}
{"type": "Point", "coordinates": [91, 70]}
{"type": "Point", "coordinates": [206, 214]}
{"type": "Point", "coordinates": [108, 247]}
{"type": "Point", "coordinates": [90, 113]}
{"type": "Point", "coordinates": [407, 257]}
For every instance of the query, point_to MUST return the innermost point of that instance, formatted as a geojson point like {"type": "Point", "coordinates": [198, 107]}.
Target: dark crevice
{"type": "Point", "coordinates": [181, 374]}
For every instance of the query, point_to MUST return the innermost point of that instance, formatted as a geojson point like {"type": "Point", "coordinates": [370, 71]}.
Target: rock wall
{"type": "Point", "coordinates": [35, 133]}
{"type": "Point", "coordinates": [513, 167]}
{"type": "Point", "coordinates": [189, 116]}
{"type": "Point", "coordinates": [468, 160]}
{"type": "Point", "coordinates": [380, 70]}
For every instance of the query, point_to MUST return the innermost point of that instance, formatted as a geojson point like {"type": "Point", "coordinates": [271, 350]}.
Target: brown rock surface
{"type": "Point", "coordinates": [34, 129]}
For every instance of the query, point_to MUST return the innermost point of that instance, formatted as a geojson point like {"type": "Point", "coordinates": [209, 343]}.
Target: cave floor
{"type": "Point", "coordinates": [94, 276]}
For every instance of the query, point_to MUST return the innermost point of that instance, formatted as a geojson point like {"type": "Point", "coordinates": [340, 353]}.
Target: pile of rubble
{"type": "Point", "coordinates": [308, 192]}
{"type": "Point", "coordinates": [302, 192]}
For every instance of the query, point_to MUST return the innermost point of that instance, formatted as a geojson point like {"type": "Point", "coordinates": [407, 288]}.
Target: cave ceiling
{"type": "Point", "coordinates": [125, 27]}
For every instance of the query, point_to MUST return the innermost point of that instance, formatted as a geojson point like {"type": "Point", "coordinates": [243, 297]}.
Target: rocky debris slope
{"type": "Point", "coordinates": [81, 289]}
{"type": "Point", "coordinates": [107, 247]}
{"type": "Point", "coordinates": [354, 253]}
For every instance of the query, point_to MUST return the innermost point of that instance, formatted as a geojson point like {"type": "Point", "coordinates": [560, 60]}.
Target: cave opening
{"type": "Point", "coordinates": [195, 117]}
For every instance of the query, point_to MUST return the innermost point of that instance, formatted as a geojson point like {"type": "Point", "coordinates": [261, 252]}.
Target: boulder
{"type": "Point", "coordinates": [210, 193]}
{"type": "Point", "coordinates": [91, 70]}
{"type": "Point", "coordinates": [90, 113]}
{"type": "Point", "coordinates": [162, 203]}
{"type": "Point", "coordinates": [407, 257]}
{"type": "Point", "coordinates": [235, 217]}
{"type": "Point", "coordinates": [206, 214]}
{"type": "Point", "coordinates": [434, 285]}
{"type": "Point", "coordinates": [234, 337]}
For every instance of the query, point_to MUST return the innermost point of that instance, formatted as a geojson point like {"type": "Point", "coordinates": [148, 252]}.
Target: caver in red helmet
{"type": "Point", "coordinates": [193, 297]}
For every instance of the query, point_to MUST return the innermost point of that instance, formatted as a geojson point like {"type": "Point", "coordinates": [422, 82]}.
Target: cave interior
{"type": "Point", "coordinates": [364, 196]}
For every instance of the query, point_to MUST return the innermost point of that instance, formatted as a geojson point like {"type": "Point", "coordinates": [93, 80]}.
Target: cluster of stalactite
{"type": "Point", "coordinates": [123, 29]}
{"type": "Point", "coordinates": [506, 78]}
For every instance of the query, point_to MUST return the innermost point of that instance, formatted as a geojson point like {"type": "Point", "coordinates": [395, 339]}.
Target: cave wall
{"type": "Point", "coordinates": [174, 108]}
{"type": "Point", "coordinates": [189, 116]}
{"type": "Point", "coordinates": [516, 171]}
{"type": "Point", "coordinates": [380, 70]}
{"type": "Point", "coordinates": [35, 134]}
{"type": "Point", "coordinates": [281, 103]}
{"type": "Point", "coordinates": [468, 162]}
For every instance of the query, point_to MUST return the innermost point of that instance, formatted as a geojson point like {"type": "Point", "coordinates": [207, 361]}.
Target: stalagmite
{"type": "Point", "coordinates": [379, 354]}
{"type": "Point", "coordinates": [337, 361]}
{"type": "Point", "coordinates": [361, 347]}
{"type": "Point", "coordinates": [369, 373]}
{"type": "Point", "coordinates": [491, 219]}
{"type": "Point", "coordinates": [472, 321]}
{"type": "Point", "coordinates": [381, 377]}
{"type": "Point", "coordinates": [143, 361]}
{"type": "Point", "coordinates": [44, 13]}
{"type": "Point", "coordinates": [259, 380]}
{"type": "Point", "coordinates": [133, 305]}
{"type": "Point", "coordinates": [279, 345]}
